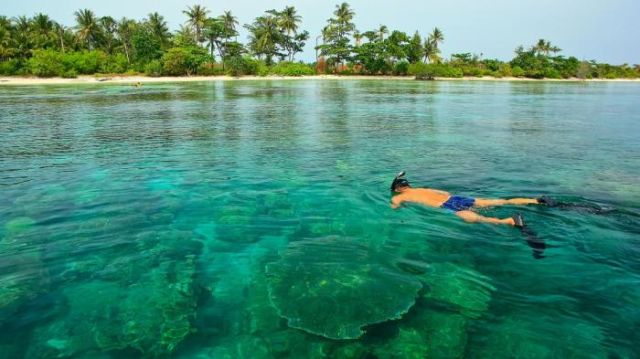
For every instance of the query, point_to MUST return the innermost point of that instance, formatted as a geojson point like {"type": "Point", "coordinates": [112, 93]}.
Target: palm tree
{"type": "Point", "coordinates": [159, 28]}
{"type": "Point", "coordinates": [213, 31]}
{"type": "Point", "coordinates": [60, 31]}
{"type": "Point", "coordinates": [264, 35]}
{"type": "Point", "coordinates": [6, 50]}
{"type": "Point", "coordinates": [382, 30]}
{"type": "Point", "coordinates": [338, 30]}
{"type": "Point", "coordinates": [357, 37]}
{"type": "Point", "coordinates": [288, 22]}
{"type": "Point", "coordinates": [42, 30]}
{"type": "Point", "coordinates": [125, 30]}
{"type": "Point", "coordinates": [87, 27]}
{"type": "Point", "coordinates": [436, 37]}
{"type": "Point", "coordinates": [197, 15]}
{"type": "Point", "coordinates": [229, 21]}
{"type": "Point", "coordinates": [184, 36]}
{"type": "Point", "coordinates": [109, 28]}
{"type": "Point", "coordinates": [22, 39]}
{"type": "Point", "coordinates": [343, 13]}
{"type": "Point", "coordinates": [430, 51]}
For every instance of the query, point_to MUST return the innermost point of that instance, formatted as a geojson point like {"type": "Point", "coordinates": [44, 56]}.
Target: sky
{"type": "Point", "coordinates": [602, 30]}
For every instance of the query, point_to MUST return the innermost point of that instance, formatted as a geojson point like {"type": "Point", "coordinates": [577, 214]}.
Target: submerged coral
{"type": "Point", "coordinates": [333, 287]}
{"type": "Point", "coordinates": [22, 273]}
{"type": "Point", "coordinates": [152, 316]}
{"type": "Point", "coordinates": [464, 289]}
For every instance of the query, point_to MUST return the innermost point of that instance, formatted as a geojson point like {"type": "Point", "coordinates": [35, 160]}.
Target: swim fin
{"type": "Point", "coordinates": [536, 244]}
{"type": "Point", "coordinates": [590, 208]}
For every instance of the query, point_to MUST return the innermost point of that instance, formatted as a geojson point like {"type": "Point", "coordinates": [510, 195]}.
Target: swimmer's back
{"type": "Point", "coordinates": [426, 196]}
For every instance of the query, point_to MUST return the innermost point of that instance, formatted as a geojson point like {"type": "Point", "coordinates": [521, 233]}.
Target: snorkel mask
{"type": "Point", "coordinates": [399, 181]}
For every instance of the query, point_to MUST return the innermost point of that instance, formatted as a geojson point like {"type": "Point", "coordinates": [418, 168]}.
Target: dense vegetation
{"type": "Point", "coordinates": [207, 45]}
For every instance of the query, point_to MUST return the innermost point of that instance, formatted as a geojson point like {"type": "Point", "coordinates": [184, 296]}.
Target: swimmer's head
{"type": "Point", "coordinates": [399, 183]}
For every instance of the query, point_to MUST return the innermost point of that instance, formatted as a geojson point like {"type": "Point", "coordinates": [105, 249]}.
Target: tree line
{"type": "Point", "coordinates": [207, 44]}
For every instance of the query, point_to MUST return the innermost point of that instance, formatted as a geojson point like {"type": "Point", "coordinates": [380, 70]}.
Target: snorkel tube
{"type": "Point", "coordinates": [399, 180]}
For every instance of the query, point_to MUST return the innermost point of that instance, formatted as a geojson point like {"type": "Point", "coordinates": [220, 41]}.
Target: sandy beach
{"type": "Point", "coordinates": [12, 80]}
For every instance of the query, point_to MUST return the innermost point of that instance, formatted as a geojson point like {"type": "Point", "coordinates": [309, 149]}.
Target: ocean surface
{"type": "Point", "coordinates": [251, 219]}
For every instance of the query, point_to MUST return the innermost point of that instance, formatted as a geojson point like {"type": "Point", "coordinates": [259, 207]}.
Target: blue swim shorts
{"type": "Point", "coordinates": [459, 203]}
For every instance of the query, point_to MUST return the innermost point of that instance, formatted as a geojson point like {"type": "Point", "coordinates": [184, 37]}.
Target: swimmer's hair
{"type": "Point", "coordinates": [399, 181]}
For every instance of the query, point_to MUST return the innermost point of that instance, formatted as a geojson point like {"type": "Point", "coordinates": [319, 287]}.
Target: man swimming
{"type": "Point", "coordinates": [463, 207]}
{"type": "Point", "coordinates": [460, 206]}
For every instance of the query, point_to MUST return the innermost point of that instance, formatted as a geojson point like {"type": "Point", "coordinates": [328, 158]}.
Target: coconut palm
{"type": "Point", "coordinates": [430, 51]}
{"type": "Point", "coordinates": [264, 37]}
{"type": "Point", "coordinates": [159, 28]}
{"type": "Point", "coordinates": [357, 37]}
{"type": "Point", "coordinates": [344, 14]}
{"type": "Point", "coordinates": [125, 30]}
{"type": "Point", "coordinates": [288, 21]}
{"type": "Point", "coordinates": [337, 34]}
{"type": "Point", "coordinates": [543, 47]}
{"type": "Point", "coordinates": [229, 25]}
{"type": "Point", "coordinates": [21, 36]}
{"type": "Point", "coordinates": [6, 48]}
{"type": "Point", "coordinates": [109, 27]}
{"type": "Point", "coordinates": [382, 30]}
{"type": "Point", "coordinates": [87, 27]}
{"type": "Point", "coordinates": [42, 27]}
{"type": "Point", "coordinates": [197, 15]}
{"type": "Point", "coordinates": [60, 31]}
{"type": "Point", "coordinates": [436, 37]}
{"type": "Point", "coordinates": [213, 32]}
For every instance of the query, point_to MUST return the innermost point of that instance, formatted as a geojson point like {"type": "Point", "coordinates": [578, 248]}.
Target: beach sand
{"type": "Point", "coordinates": [12, 80]}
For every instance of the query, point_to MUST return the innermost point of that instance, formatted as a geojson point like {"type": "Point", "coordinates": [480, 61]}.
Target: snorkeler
{"type": "Point", "coordinates": [463, 207]}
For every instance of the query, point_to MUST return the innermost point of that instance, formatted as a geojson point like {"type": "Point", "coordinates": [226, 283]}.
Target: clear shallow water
{"type": "Point", "coordinates": [182, 219]}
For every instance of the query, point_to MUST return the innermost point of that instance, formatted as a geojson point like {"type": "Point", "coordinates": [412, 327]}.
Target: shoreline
{"type": "Point", "coordinates": [19, 81]}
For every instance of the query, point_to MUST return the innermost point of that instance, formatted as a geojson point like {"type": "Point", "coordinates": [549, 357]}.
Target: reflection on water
{"type": "Point", "coordinates": [211, 219]}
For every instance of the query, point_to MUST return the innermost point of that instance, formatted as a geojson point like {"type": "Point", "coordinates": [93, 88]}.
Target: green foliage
{"type": "Point", "coordinates": [209, 69]}
{"type": "Point", "coordinates": [401, 68]}
{"type": "Point", "coordinates": [153, 68]}
{"type": "Point", "coordinates": [179, 61]}
{"type": "Point", "coordinates": [49, 63]}
{"type": "Point", "coordinates": [337, 44]}
{"type": "Point", "coordinates": [116, 64]}
{"type": "Point", "coordinates": [415, 49]}
{"type": "Point", "coordinates": [146, 46]}
{"type": "Point", "coordinates": [372, 57]}
{"type": "Point", "coordinates": [85, 62]}
{"type": "Point", "coordinates": [584, 70]}
{"type": "Point", "coordinates": [70, 74]}
{"type": "Point", "coordinates": [430, 71]}
{"type": "Point", "coordinates": [517, 71]}
{"type": "Point", "coordinates": [239, 66]}
{"type": "Point", "coordinates": [10, 67]}
{"type": "Point", "coordinates": [287, 68]}
{"type": "Point", "coordinates": [43, 47]}
{"type": "Point", "coordinates": [46, 63]}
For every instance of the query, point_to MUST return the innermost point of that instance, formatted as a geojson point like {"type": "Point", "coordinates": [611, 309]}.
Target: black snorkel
{"type": "Point", "coordinates": [399, 181]}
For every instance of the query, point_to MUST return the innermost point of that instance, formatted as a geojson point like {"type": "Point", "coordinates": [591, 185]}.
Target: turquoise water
{"type": "Point", "coordinates": [251, 219]}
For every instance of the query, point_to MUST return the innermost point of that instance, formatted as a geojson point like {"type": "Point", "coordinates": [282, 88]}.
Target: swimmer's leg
{"type": "Point", "coordinates": [472, 217]}
{"type": "Point", "coordinates": [485, 202]}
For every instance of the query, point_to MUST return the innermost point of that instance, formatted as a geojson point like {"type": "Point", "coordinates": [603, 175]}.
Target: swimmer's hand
{"type": "Point", "coordinates": [395, 202]}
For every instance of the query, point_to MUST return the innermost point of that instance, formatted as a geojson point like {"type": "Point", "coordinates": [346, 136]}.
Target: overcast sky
{"type": "Point", "coordinates": [603, 30]}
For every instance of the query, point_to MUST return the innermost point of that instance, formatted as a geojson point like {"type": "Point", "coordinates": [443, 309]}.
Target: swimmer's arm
{"type": "Point", "coordinates": [395, 202]}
